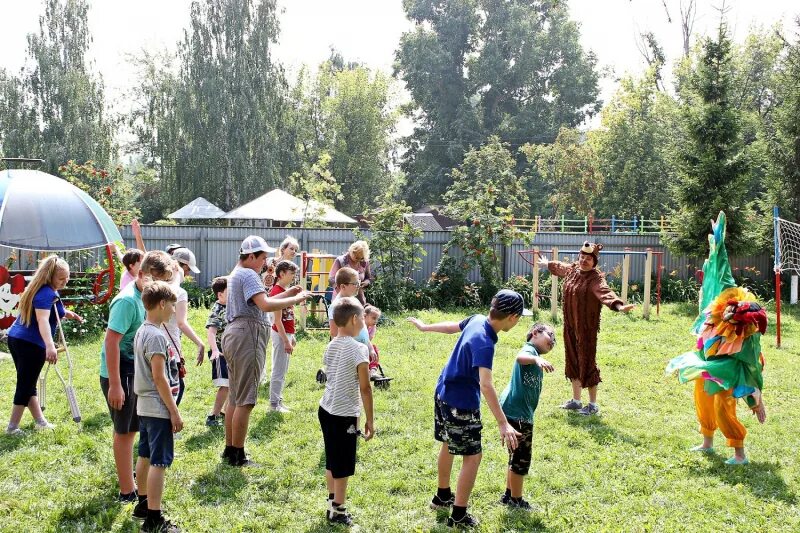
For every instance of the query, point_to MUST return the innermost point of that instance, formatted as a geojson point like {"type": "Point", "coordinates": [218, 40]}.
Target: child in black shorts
{"type": "Point", "coordinates": [347, 362]}
{"type": "Point", "coordinates": [519, 401]}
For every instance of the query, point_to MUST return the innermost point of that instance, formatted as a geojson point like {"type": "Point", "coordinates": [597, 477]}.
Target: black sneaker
{"type": "Point", "coordinates": [520, 504]}
{"type": "Point", "coordinates": [162, 526]}
{"type": "Point", "coordinates": [438, 503]}
{"type": "Point", "coordinates": [226, 454]}
{"type": "Point", "coordinates": [128, 498]}
{"type": "Point", "coordinates": [240, 459]}
{"type": "Point", "coordinates": [505, 498]}
{"type": "Point", "coordinates": [140, 511]}
{"type": "Point", "coordinates": [339, 515]}
{"type": "Point", "coordinates": [467, 521]}
{"type": "Point", "coordinates": [214, 421]}
{"type": "Point", "coordinates": [322, 378]}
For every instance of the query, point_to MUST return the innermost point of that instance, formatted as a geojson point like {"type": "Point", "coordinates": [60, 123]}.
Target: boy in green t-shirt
{"type": "Point", "coordinates": [519, 401]}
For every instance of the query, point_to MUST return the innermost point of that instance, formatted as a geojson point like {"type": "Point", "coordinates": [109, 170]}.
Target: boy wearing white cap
{"type": "Point", "coordinates": [457, 416]}
{"type": "Point", "coordinates": [244, 342]}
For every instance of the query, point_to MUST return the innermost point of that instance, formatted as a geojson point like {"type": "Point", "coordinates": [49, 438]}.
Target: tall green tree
{"type": "Point", "coordinates": [476, 68]}
{"type": "Point", "coordinates": [633, 147]}
{"type": "Point", "coordinates": [223, 113]}
{"type": "Point", "coordinates": [713, 171]}
{"type": "Point", "coordinates": [487, 194]}
{"type": "Point", "coordinates": [56, 108]}
{"type": "Point", "coordinates": [571, 172]}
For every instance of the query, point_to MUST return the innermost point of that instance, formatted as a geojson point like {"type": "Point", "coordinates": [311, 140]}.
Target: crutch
{"type": "Point", "coordinates": [69, 390]}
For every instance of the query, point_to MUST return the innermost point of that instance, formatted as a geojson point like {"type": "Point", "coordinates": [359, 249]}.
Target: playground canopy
{"type": "Point", "coordinates": [280, 206]}
{"type": "Point", "coordinates": [199, 208]}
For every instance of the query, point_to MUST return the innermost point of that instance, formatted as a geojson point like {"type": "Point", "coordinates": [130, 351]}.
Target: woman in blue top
{"type": "Point", "coordinates": [30, 338]}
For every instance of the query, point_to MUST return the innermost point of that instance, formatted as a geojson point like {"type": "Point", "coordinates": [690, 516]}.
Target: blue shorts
{"type": "Point", "coordinates": [156, 441]}
{"type": "Point", "coordinates": [219, 371]}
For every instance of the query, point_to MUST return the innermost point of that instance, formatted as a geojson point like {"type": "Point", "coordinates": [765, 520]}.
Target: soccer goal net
{"type": "Point", "coordinates": [787, 259]}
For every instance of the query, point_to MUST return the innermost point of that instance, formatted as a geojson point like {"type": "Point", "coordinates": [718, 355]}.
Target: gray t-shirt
{"type": "Point", "coordinates": [342, 393]}
{"type": "Point", "coordinates": [151, 342]}
{"type": "Point", "coordinates": [243, 284]}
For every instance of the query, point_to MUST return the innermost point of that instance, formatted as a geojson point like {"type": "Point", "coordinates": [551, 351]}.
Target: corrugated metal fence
{"type": "Point", "coordinates": [216, 249]}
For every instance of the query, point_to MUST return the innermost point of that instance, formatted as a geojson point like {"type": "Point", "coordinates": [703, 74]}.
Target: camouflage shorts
{"type": "Point", "coordinates": [459, 428]}
{"type": "Point", "coordinates": [519, 461]}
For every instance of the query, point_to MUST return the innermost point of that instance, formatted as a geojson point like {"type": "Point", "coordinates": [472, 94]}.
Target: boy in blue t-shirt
{"type": "Point", "coordinates": [457, 402]}
{"type": "Point", "coordinates": [519, 401]}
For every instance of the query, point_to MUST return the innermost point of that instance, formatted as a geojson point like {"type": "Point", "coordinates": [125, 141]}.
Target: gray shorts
{"type": "Point", "coordinates": [244, 344]}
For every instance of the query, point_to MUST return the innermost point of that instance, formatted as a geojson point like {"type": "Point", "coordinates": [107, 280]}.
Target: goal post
{"type": "Point", "coordinates": [786, 237]}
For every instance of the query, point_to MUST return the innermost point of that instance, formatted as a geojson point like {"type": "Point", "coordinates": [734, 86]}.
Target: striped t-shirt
{"type": "Point", "coordinates": [342, 395]}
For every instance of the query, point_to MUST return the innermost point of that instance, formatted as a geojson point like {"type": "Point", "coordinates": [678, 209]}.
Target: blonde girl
{"type": "Point", "coordinates": [30, 338]}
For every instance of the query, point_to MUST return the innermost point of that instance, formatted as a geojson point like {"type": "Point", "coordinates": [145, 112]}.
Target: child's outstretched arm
{"type": "Point", "coordinates": [508, 435]}
{"type": "Point", "coordinates": [366, 399]}
{"type": "Point", "coordinates": [528, 359]}
{"type": "Point", "coordinates": [439, 327]}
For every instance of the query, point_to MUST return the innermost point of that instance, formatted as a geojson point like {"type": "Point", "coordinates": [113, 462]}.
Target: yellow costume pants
{"type": "Point", "coordinates": [718, 411]}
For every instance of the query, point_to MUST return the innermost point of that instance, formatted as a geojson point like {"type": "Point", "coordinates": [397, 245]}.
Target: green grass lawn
{"type": "Point", "coordinates": [628, 470]}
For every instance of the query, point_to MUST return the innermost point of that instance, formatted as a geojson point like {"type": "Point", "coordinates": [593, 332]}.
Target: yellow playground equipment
{"type": "Point", "coordinates": [314, 277]}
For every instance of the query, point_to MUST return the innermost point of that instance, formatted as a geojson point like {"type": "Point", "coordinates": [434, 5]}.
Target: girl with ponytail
{"type": "Point", "coordinates": [30, 338]}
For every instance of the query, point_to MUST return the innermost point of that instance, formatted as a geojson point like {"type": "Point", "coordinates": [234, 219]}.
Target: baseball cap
{"type": "Point", "coordinates": [172, 247]}
{"type": "Point", "coordinates": [253, 243]}
{"type": "Point", "coordinates": [185, 256]}
{"type": "Point", "coordinates": [510, 302]}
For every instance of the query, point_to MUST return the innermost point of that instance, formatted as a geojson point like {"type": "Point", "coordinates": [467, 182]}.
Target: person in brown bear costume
{"type": "Point", "coordinates": [585, 291]}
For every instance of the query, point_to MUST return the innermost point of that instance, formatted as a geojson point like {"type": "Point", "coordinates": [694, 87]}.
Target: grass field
{"type": "Point", "coordinates": [628, 470]}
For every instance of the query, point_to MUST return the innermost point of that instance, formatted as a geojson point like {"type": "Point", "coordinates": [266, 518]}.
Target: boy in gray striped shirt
{"type": "Point", "coordinates": [348, 385]}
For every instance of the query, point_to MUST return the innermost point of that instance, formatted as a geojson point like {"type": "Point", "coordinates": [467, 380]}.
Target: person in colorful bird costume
{"type": "Point", "coordinates": [727, 362]}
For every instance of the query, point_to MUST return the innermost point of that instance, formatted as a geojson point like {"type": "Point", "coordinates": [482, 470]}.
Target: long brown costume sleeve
{"type": "Point", "coordinates": [584, 294]}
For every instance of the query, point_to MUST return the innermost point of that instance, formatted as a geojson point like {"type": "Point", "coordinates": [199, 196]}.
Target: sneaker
{"type": "Point", "coordinates": [43, 425]}
{"type": "Point", "coordinates": [280, 408]}
{"type": "Point", "coordinates": [213, 421]}
{"type": "Point", "coordinates": [127, 498]}
{"type": "Point", "coordinates": [734, 461]}
{"type": "Point", "coordinates": [520, 504]}
{"type": "Point", "coordinates": [322, 378]}
{"type": "Point", "coordinates": [339, 515]}
{"type": "Point", "coordinates": [505, 498]}
{"type": "Point", "coordinates": [589, 409]}
{"type": "Point", "coordinates": [140, 511]}
{"type": "Point", "coordinates": [467, 521]}
{"type": "Point", "coordinates": [700, 448]}
{"type": "Point", "coordinates": [240, 460]}
{"type": "Point", "coordinates": [572, 405]}
{"type": "Point", "coordinates": [16, 432]}
{"type": "Point", "coordinates": [438, 503]}
{"type": "Point", "coordinates": [162, 526]}
{"type": "Point", "coordinates": [226, 453]}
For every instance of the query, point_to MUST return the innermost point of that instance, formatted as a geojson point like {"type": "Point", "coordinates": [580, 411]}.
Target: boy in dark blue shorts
{"type": "Point", "coordinates": [457, 417]}
{"type": "Point", "coordinates": [156, 383]}
{"type": "Point", "coordinates": [519, 401]}
{"type": "Point", "coordinates": [215, 326]}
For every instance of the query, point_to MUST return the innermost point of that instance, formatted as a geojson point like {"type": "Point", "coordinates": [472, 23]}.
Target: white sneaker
{"type": "Point", "coordinates": [280, 408]}
{"type": "Point", "coordinates": [43, 426]}
{"type": "Point", "coordinates": [16, 432]}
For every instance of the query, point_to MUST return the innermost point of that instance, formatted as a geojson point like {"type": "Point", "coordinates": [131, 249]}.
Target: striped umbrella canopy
{"type": "Point", "coordinates": [42, 212]}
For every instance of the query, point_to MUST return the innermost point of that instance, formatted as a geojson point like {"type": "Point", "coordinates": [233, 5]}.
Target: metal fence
{"type": "Point", "coordinates": [216, 249]}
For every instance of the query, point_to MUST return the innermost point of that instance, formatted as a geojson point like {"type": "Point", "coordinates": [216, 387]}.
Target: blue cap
{"type": "Point", "coordinates": [509, 302]}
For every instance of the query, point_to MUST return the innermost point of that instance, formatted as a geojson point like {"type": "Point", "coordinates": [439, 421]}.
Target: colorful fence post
{"type": "Point", "coordinates": [535, 281]}
{"type": "Point", "coordinates": [648, 269]}
{"type": "Point", "coordinates": [626, 265]}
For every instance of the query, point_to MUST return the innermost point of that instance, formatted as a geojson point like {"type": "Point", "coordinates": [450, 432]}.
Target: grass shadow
{"type": "Point", "coordinates": [212, 436]}
{"type": "Point", "coordinates": [9, 443]}
{"type": "Point", "coordinates": [762, 478]}
{"type": "Point", "coordinates": [267, 424]}
{"type": "Point", "coordinates": [219, 485]}
{"type": "Point", "coordinates": [601, 432]}
{"type": "Point", "coordinates": [96, 422]}
{"type": "Point", "coordinates": [98, 514]}
{"type": "Point", "coordinates": [516, 520]}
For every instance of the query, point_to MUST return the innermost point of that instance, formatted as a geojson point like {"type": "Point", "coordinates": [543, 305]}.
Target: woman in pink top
{"type": "Point", "coordinates": [357, 258]}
